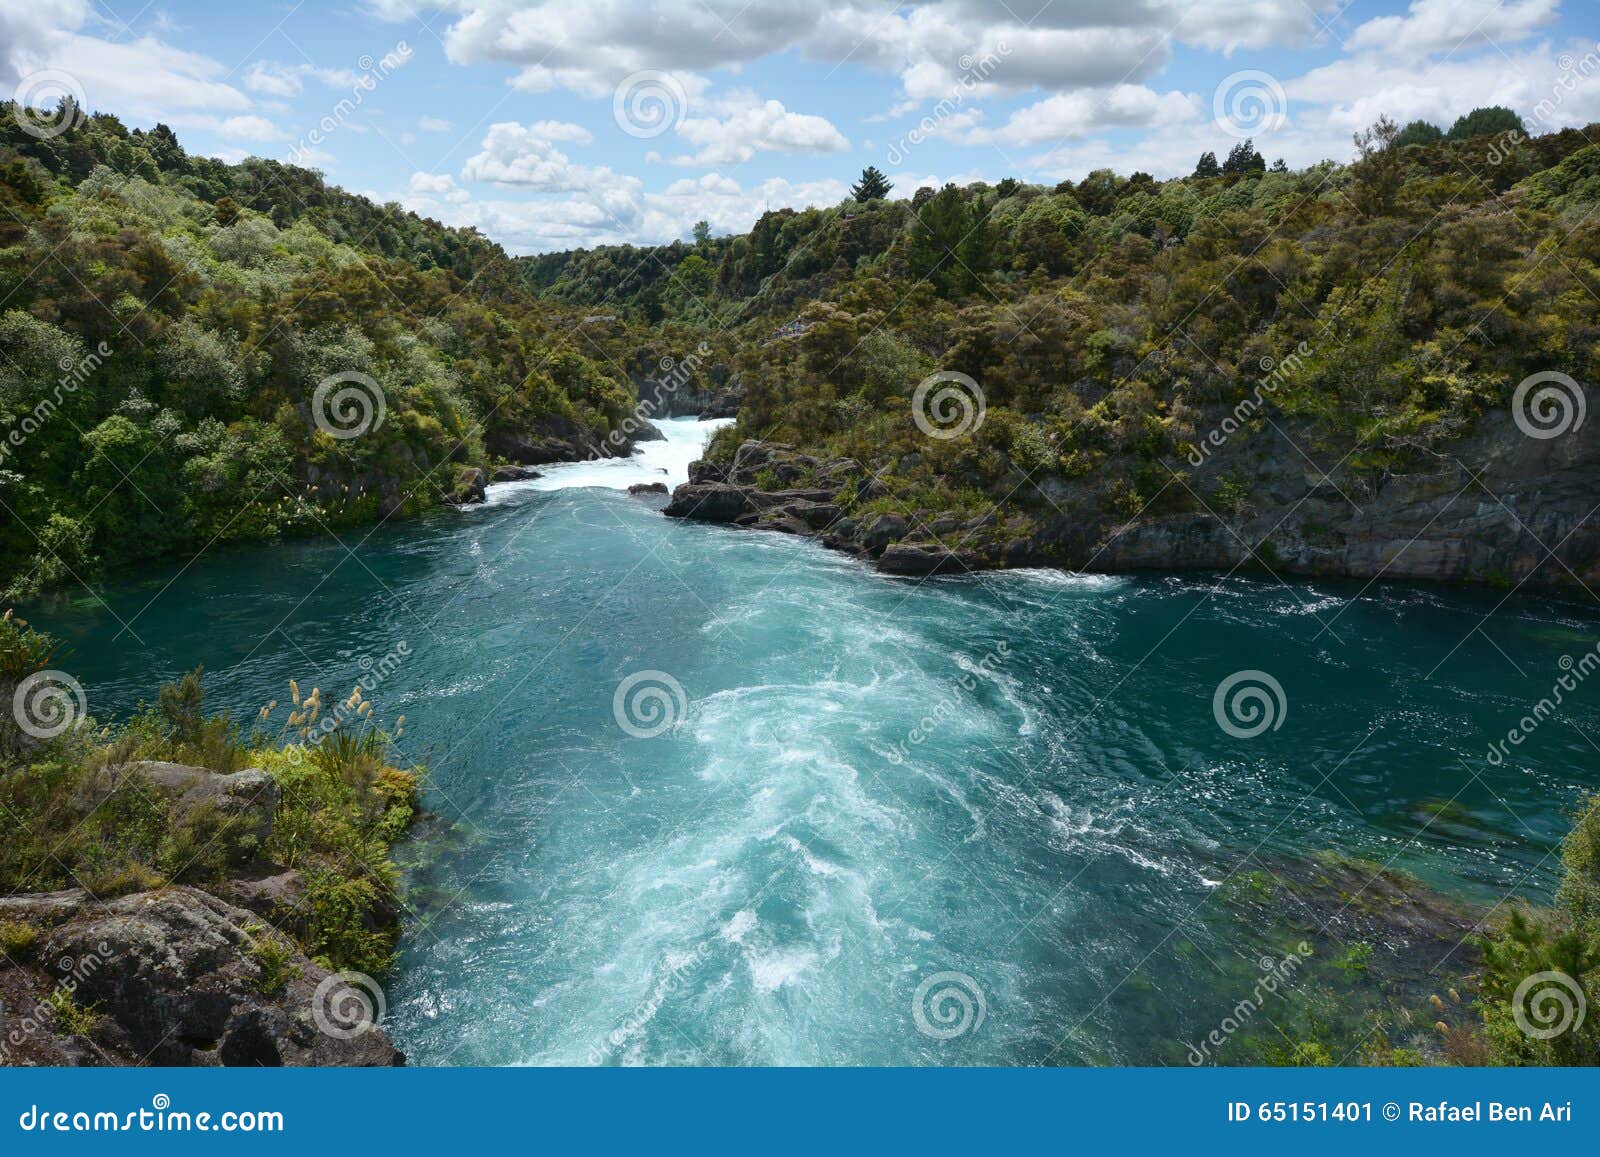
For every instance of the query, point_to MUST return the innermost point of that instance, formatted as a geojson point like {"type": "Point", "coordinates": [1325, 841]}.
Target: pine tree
{"type": "Point", "coordinates": [873, 186]}
{"type": "Point", "coordinates": [1207, 165]}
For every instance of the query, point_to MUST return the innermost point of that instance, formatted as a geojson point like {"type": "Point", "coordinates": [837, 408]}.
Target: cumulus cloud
{"type": "Point", "coordinates": [758, 126]}
{"type": "Point", "coordinates": [249, 128]}
{"type": "Point", "coordinates": [1068, 115]}
{"type": "Point", "coordinates": [143, 78]}
{"type": "Point", "coordinates": [1431, 26]}
{"type": "Point", "coordinates": [525, 156]}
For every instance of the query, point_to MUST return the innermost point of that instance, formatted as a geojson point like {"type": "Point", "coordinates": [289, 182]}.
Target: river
{"type": "Point", "coordinates": [709, 796]}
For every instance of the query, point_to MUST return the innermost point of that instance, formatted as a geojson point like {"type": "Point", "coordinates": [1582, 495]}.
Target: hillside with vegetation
{"type": "Point", "coordinates": [167, 320]}
{"type": "Point", "coordinates": [1356, 319]}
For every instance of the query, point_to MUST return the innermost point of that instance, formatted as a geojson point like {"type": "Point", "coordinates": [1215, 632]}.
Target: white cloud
{"type": "Point", "coordinates": [521, 156]}
{"type": "Point", "coordinates": [249, 128]}
{"type": "Point", "coordinates": [1070, 115]}
{"type": "Point", "coordinates": [434, 124]}
{"type": "Point", "coordinates": [1431, 26]}
{"type": "Point", "coordinates": [142, 79]}
{"type": "Point", "coordinates": [758, 127]}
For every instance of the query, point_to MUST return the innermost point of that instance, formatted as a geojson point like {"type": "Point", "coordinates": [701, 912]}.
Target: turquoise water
{"type": "Point", "coordinates": [771, 879]}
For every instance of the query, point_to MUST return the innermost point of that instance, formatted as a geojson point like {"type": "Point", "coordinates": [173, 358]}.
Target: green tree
{"type": "Point", "coordinates": [1491, 120]}
{"type": "Point", "coordinates": [873, 186]}
{"type": "Point", "coordinates": [1207, 165]}
{"type": "Point", "coordinates": [1419, 133]}
{"type": "Point", "coordinates": [1243, 158]}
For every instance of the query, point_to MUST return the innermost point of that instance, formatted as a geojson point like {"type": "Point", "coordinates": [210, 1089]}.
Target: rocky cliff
{"type": "Point", "coordinates": [1499, 506]}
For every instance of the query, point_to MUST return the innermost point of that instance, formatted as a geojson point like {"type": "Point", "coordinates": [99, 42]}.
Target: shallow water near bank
{"type": "Point", "coordinates": [868, 783]}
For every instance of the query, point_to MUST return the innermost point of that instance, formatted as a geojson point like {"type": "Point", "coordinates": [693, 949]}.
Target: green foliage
{"type": "Point", "coordinates": [274, 957]}
{"type": "Point", "coordinates": [168, 319]}
{"type": "Point", "coordinates": [873, 186]}
{"type": "Point", "coordinates": [68, 1016]}
{"type": "Point", "coordinates": [1419, 133]}
{"type": "Point", "coordinates": [1484, 122]}
{"type": "Point", "coordinates": [18, 940]}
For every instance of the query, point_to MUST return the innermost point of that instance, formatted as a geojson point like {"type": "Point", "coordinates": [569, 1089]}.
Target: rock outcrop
{"type": "Point", "coordinates": [175, 976]}
{"type": "Point", "coordinates": [1500, 507]}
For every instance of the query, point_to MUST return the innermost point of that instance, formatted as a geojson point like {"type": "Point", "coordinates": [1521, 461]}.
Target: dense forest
{"type": "Point", "coordinates": [1110, 323]}
{"type": "Point", "coordinates": [194, 352]}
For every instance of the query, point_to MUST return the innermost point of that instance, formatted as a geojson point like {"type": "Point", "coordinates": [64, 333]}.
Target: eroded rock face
{"type": "Point", "coordinates": [176, 976]}
{"type": "Point", "coordinates": [1500, 507]}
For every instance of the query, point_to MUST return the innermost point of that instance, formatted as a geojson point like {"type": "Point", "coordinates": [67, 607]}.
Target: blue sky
{"type": "Point", "coordinates": [555, 123]}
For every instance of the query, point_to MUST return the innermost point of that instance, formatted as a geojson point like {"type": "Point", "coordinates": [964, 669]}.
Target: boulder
{"type": "Point", "coordinates": [641, 489]}
{"type": "Point", "coordinates": [909, 558]}
{"type": "Point", "coordinates": [469, 486]}
{"type": "Point", "coordinates": [513, 474]}
{"type": "Point", "coordinates": [178, 977]}
{"type": "Point", "coordinates": [879, 531]}
{"type": "Point", "coordinates": [707, 502]}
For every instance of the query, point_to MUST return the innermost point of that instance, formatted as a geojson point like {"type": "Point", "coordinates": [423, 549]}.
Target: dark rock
{"type": "Point", "coordinates": [904, 558]}
{"type": "Point", "coordinates": [880, 530]}
{"type": "Point", "coordinates": [469, 487]}
{"type": "Point", "coordinates": [707, 502]}
{"type": "Point", "coordinates": [639, 489]}
{"type": "Point", "coordinates": [176, 978]}
{"type": "Point", "coordinates": [513, 474]}
{"type": "Point", "coordinates": [645, 430]}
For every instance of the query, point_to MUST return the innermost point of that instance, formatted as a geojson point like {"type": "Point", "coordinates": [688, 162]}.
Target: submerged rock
{"type": "Point", "coordinates": [640, 489]}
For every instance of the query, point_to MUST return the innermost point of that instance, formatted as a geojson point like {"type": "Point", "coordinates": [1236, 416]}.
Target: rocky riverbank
{"type": "Point", "coordinates": [183, 975]}
{"type": "Point", "coordinates": [1500, 507]}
